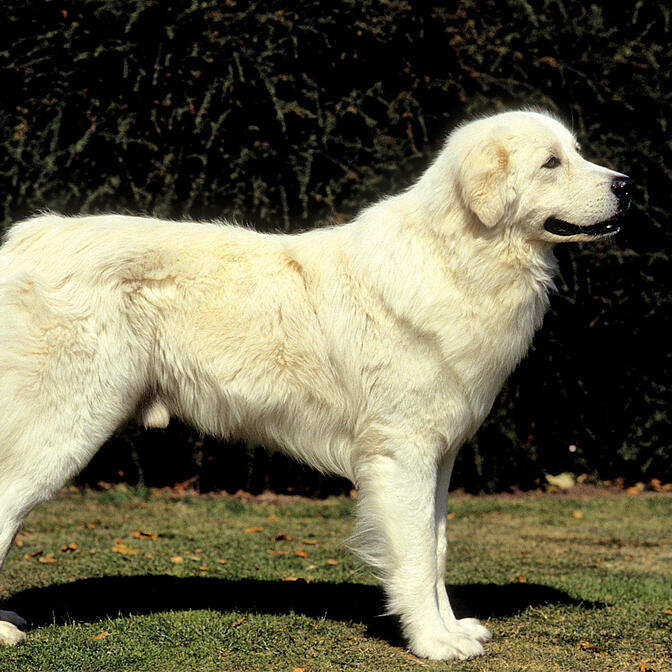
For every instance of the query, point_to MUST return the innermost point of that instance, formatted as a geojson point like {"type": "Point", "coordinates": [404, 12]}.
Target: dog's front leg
{"type": "Point", "coordinates": [472, 626]}
{"type": "Point", "coordinates": [396, 533]}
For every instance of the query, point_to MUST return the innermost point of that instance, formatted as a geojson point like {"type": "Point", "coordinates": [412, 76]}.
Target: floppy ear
{"type": "Point", "coordinates": [483, 179]}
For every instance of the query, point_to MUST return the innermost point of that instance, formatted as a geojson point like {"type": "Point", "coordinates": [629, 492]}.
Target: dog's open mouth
{"type": "Point", "coordinates": [559, 227]}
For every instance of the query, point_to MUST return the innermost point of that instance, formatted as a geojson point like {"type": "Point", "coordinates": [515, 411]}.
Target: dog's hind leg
{"type": "Point", "coordinates": [66, 383]}
{"type": "Point", "coordinates": [38, 456]}
{"type": "Point", "coordinates": [18, 497]}
{"type": "Point", "coordinates": [396, 534]}
{"type": "Point", "coordinates": [471, 626]}
{"type": "Point", "coordinates": [10, 622]}
{"type": "Point", "coordinates": [22, 487]}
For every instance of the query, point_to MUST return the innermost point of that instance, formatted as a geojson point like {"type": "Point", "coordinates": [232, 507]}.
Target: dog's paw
{"type": "Point", "coordinates": [448, 646]}
{"type": "Point", "coordinates": [473, 628]}
{"type": "Point", "coordinates": [10, 634]}
{"type": "Point", "coordinates": [13, 618]}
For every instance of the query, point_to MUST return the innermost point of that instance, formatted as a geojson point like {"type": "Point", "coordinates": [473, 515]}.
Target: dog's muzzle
{"type": "Point", "coordinates": [621, 187]}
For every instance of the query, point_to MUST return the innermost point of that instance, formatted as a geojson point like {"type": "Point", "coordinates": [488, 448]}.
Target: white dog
{"type": "Point", "coordinates": [370, 350]}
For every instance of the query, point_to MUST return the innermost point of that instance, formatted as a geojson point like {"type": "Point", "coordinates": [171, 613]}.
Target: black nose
{"type": "Point", "coordinates": [621, 186]}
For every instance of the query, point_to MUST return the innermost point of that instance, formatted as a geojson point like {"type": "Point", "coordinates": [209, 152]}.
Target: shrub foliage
{"type": "Point", "coordinates": [289, 115]}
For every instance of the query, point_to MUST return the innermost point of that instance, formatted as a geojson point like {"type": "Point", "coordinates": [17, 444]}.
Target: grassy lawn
{"type": "Point", "coordinates": [113, 581]}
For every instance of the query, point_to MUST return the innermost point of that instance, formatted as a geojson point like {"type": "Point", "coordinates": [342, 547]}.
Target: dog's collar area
{"type": "Point", "coordinates": [559, 227]}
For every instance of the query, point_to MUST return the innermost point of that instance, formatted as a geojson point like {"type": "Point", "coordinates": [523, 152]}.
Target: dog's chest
{"type": "Point", "coordinates": [481, 347]}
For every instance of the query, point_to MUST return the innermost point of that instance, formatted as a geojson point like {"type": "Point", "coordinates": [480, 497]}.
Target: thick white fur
{"type": "Point", "coordinates": [370, 350]}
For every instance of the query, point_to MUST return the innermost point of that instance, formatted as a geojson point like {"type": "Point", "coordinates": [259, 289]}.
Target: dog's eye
{"type": "Point", "coordinates": [553, 162]}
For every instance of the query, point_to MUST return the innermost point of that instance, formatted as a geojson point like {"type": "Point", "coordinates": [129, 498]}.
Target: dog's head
{"type": "Point", "coordinates": [524, 171]}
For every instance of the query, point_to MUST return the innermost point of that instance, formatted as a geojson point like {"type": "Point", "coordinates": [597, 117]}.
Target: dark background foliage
{"type": "Point", "coordinates": [290, 115]}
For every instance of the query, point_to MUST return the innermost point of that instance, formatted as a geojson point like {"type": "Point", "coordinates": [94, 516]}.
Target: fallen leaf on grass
{"type": "Point", "coordinates": [49, 557]}
{"type": "Point", "coordinates": [290, 578]}
{"type": "Point", "coordinates": [140, 534]}
{"type": "Point", "coordinates": [299, 669]}
{"type": "Point", "coordinates": [102, 635]}
{"type": "Point", "coordinates": [252, 530]}
{"type": "Point", "coordinates": [301, 554]}
{"type": "Point", "coordinates": [331, 561]}
{"type": "Point", "coordinates": [563, 481]}
{"type": "Point", "coordinates": [177, 559]}
{"type": "Point", "coordinates": [451, 515]}
{"type": "Point", "coordinates": [125, 550]}
{"type": "Point", "coordinates": [283, 536]}
{"type": "Point", "coordinates": [222, 561]}
{"type": "Point", "coordinates": [311, 542]}
{"type": "Point", "coordinates": [69, 548]}
{"type": "Point", "coordinates": [667, 610]}
{"type": "Point", "coordinates": [240, 621]}
{"type": "Point", "coordinates": [645, 666]}
{"type": "Point", "coordinates": [520, 579]}
{"type": "Point", "coordinates": [587, 646]}
{"type": "Point", "coordinates": [577, 514]}
{"type": "Point", "coordinates": [273, 516]}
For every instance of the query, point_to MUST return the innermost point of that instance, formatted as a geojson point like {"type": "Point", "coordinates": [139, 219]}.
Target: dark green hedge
{"type": "Point", "coordinates": [288, 114]}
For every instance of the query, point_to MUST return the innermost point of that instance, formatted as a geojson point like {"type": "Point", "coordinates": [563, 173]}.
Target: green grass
{"type": "Point", "coordinates": [132, 583]}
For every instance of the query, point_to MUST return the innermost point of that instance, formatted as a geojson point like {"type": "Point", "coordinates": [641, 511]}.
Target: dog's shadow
{"type": "Point", "coordinates": [112, 596]}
